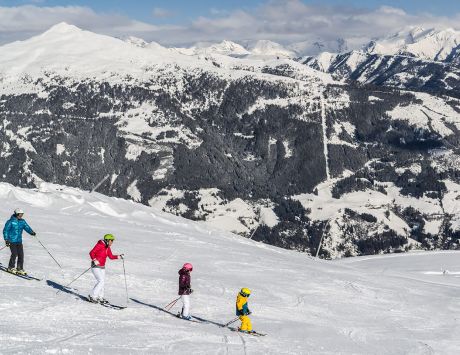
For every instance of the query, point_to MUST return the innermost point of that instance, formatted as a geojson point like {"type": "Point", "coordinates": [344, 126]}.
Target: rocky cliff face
{"type": "Point", "coordinates": [270, 149]}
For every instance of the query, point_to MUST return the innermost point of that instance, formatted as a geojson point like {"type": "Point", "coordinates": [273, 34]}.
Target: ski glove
{"type": "Point", "coordinates": [247, 313]}
{"type": "Point", "coordinates": [7, 243]}
{"type": "Point", "coordinates": [190, 291]}
{"type": "Point", "coordinates": [33, 234]}
{"type": "Point", "coordinates": [121, 256]}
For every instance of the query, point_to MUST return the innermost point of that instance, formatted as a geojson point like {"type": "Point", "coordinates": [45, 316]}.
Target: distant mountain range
{"type": "Point", "coordinates": [356, 150]}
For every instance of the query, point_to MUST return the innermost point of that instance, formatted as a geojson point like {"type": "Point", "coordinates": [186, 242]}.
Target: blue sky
{"type": "Point", "coordinates": [183, 22]}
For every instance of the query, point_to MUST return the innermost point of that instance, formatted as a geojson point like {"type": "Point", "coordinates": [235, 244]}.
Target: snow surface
{"type": "Point", "coordinates": [432, 111]}
{"type": "Point", "coordinates": [428, 44]}
{"type": "Point", "coordinates": [394, 304]}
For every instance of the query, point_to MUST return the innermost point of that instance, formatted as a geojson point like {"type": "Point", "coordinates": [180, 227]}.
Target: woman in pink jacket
{"type": "Point", "coordinates": [99, 255]}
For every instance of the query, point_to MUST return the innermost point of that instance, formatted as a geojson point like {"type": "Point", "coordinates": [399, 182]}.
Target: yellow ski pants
{"type": "Point", "coordinates": [245, 323]}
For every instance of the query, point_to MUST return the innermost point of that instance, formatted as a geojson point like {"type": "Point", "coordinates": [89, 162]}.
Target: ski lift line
{"type": "Point", "coordinates": [258, 218]}
{"type": "Point", "coordinates": [322, 236]}
{"type": "Point", "coordinates": [254, 231]}
{"type": "Point", "coordinates": [100, 183]}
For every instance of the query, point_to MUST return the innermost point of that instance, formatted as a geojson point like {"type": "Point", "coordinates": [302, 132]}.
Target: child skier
{"type": "Point", "coordinates": [243, 311]}
{"type": "Point", "coordinates": [12, 233]}
{"type": "Point", "coordinates": [185, 290]}
{"type": "Point", "coordinates": [99, 255]}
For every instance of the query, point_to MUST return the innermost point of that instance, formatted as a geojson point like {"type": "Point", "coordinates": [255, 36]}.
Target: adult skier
{"type": "Point", "coordinates": [242, 310]}
{"type": "Point", "coordinates": [185, 290]}
{"type": "Point", "coordinates": [99, 255]}
{"type": "Point", "coordinates": [12, 233]}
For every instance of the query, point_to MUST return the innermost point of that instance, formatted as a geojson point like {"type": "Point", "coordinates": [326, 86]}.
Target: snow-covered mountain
{"type": "Point", "coordinates": [415, 59]}
{"type": "Point", "coordinates": [270, 48]}
{"type": "Point", "coordinates": [373, 305]}
{"type": "Point", "coordinates": [262, 49]}
{"type": "Point", "coordinates": [224, 48]}
{"type": "Point", "coordinates": [313, 48]}
{"type": "Point", "coordinates": [257, 145]}
{"type": "Point", "coordinates": [427, 44]}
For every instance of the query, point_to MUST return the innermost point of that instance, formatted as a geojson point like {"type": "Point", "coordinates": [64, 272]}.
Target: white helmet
{"type": "Point", "coordinates": [18, 211]}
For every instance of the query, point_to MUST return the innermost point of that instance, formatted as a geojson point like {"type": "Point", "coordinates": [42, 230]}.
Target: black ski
{"type": "Point", "coordinates": [106, 305]}
{"type": "Point", "coordinates": [193, 319]}
{"type": "Point", "coordinates": [254, 333]}
{"type": "Point", "coordinates": [113, 306]}
{"type": "Point", "coordinates": [25, 277]}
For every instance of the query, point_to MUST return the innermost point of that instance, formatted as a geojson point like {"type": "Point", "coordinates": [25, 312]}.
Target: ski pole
{"type": "Point", "coordinates": [75, 279]}
{"type": "Point", "coordinates": [126, 284]}
{"type": "Point", "coordinates": [232, 321]}
{"type": "Point", "coordinates": [49, 253]}
{"type": "Point", "coordinates": [171, 304]}
{"type": "Point", "coordinates": [3, 248]}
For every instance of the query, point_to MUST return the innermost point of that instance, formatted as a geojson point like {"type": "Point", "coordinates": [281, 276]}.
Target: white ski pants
{"type": "Point", "coordinates": [98, 290]}
{"type": "Point", "coordinates": [185, 305]}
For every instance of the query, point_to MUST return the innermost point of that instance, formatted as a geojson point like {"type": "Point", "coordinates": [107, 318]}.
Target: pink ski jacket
{"type": "Point", "coordinates": [100, 252]}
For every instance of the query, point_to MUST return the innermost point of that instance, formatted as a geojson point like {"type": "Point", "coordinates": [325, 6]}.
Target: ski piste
{"type": "Point", "coordinates": [25, 277]}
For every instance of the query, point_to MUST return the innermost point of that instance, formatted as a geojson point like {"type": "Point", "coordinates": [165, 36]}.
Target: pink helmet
{"type": "Point", "coordinates": [188, 267]}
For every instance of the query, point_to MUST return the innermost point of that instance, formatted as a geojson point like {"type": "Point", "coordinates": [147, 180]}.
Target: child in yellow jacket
{"type": "Point", "coordinates": [243, 311]}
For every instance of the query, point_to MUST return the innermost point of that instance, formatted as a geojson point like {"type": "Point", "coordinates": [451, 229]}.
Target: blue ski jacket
{"type": "Point", "coordinates": [12, 232]}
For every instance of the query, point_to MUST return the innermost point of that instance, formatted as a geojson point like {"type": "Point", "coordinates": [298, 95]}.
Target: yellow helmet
{"type": "Point", "coordinates": [245, 292]}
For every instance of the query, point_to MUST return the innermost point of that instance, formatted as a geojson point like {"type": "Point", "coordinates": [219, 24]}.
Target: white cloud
{"type": "Point", "coordinates": [284, 21]}
{"type": "Point", "coordinates": [159, 12]}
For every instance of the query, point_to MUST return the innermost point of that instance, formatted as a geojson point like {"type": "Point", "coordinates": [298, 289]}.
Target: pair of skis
{"type": "Point", "coordinates": [195, 319]}
{"type": "Point", "coordinates": [106, 304]}
{"type": "Point", "coordinates": [22, 276]}
{"type": "Point", "coordinates": [248, 332]}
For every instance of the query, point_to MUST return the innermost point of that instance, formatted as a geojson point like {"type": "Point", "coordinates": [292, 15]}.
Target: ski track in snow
{"type": "Point", "coordinates": [388, 304]}
{"type": "Point", "coordinates": [325, 139]}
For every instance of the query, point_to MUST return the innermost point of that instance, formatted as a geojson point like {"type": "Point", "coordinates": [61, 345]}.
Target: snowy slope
{"type": "Point", "coordinates": [381, 305]}
{"type": "Point", "coordinates": [428, 44]}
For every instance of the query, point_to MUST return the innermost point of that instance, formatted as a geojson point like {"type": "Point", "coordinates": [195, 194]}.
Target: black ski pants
{"type": "Point", "coordinates": [17, 251]}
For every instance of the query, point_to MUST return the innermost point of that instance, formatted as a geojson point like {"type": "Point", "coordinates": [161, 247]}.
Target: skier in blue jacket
{"type": "Point", "coordinates": [12, 233]}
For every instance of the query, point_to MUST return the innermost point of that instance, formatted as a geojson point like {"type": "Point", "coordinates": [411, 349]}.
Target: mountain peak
{"type": "Point", "coordinates": [136, 41]}
{"type": "Point", "coordinates": [62, 28]}
{"type": "Point", "coordinates": [428, 44]}
{"type": "Point", "coordinates": [270, 48]}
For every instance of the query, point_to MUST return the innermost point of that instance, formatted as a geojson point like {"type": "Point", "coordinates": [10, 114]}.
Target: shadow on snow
{"type": "Point", "coordinates": [65, 289]}
{"type": "Point", "coordinates": [174, 315]}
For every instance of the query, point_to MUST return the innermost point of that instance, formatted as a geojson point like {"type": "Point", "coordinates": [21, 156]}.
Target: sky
{"type": "Point", "coordinates": [182, 23]}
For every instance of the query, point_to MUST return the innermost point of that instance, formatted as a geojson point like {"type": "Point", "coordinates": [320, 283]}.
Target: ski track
{"type": "Point", "coordinates": [225, 340]}
{"type": "Point", "coordinates": [40, 345]}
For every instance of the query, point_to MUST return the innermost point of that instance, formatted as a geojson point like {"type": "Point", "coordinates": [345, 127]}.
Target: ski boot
{"type": "Point", "coordinates": [12, 270]}
{"type": "Point", "coordinates": [92, 300]}
{"type": "Point", "coordinates": [245, 331]}
{"type": "Point", "coordinates": [187, 317]}
{"type": "Point", "coordinates": [21, 272]}
{"type": "Point", "coordinates": [102, 300]}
